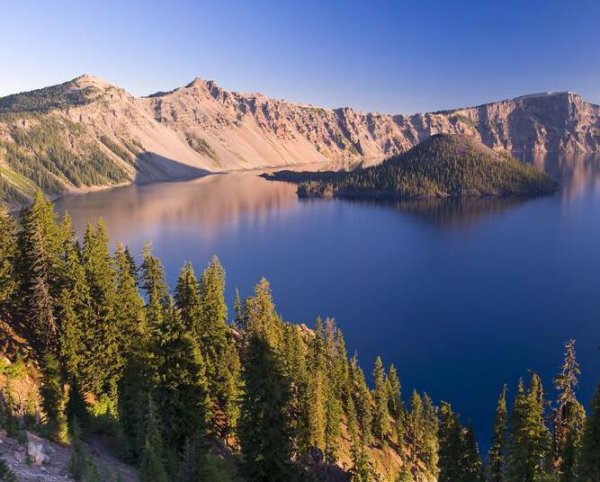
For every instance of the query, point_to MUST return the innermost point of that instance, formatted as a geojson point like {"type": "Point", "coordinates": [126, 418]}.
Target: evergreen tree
{"type": "Point", "coordinates": [181, 389]}
{"type": "Point", "coordinates": [497, 453]}
{"type": "Point", "coordinates": [239, 318]}
{"type": "Point", "coordinates": [76, 408]}
{"type": "Point", "coordinates": [73, 307]}
{"type": "Point", "coordinates": [39, 270]}
{"type": "Point", "coordinates": [187, 299]}
{"type": "Point", "coordinates": [105, 357]}
{"type": "Point", "coordinates": [415, 428]}
{"type": "Point", "coordinates": [229, 389]}
{"type": "Point", "coordinates": [472, 466]}
{"type": "Point", "coordinates": [589, 456]}
{"type": "Point", "coordinates": [362, 399]}
{"type": "Point", "coordinates": [260, 316]}
{"type": "Point", "coordinates": [381, 416]}
{"type": "Point", "coordinates": [394, 394]}
{"type": "Point", "coordinates": [152, 466]}
{"type": "Point", "coordinates": [194, 465]}
{"type": "Point", "coordinates": [213, 330]}
{"type": "Point", "coordinates": [135, 388]}
{"type": "Point", "coordinates": [8, 253]}
{"type": "Point", "coordinates": [429, 443]}
{"type": "Point", "coordinates": [54, 399]}
{"type": "Point", "coordinates": [360, 471]}
{"type": "Point", "coordinates": [569, 418]}
{"type": "Point", "coordinates": [529, 438]}
{"type": "Point", "coordinates": [264, 428]}
{"type": "Point", "coordinates": [450, 451]}
{"type": "Point", "coordinates": [153, 278]}
{"type": "Point", "coordinates": [129, 305]}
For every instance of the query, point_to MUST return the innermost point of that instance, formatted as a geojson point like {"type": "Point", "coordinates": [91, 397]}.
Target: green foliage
{"type": "Point", "coordinates": [497, 452]}
{"type": "Point", "coordinates": [8, 253]}
{"type": "Point", "coordinates": [54, 400]}
{"type": "Point", "coordinates": [264, 428]}
{"type": "Point", "coordinates": [381, 416]}
{"type": "Point", "coordinates": [6, 474]}
{"type": "Point", "coordinates": [105, 357]}
{"type": "Point", "coordinates": [39, 270]}
{"type": "Point", "coordinates": [529, 437]}
{"type": "Point", "coordinates": [81, 466]}
{"type": "Point", "coordinates": [200, 145]}
{"type": "Point", "coordinates": [443, 165]}
{"type": "Point", "coordinates": [568, 419]}
{"type": "Point", "coordinates": [181, 389]}
{"type": "Point", "coordinates": [152, 465]}
{"type": "Point", "coordinates": [589, 458]}
{"type": "Point", "coordinates": [459, 459]}
{"type": "Point", "coordinates": [41, 156]}
{"type": "Point", "coordinates": [49, 98]}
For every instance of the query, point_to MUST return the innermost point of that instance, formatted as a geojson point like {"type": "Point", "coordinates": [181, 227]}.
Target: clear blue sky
{"type": "Point", "coordinates": [388, 56]}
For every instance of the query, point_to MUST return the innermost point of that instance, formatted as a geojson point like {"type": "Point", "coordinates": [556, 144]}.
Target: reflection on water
{"type": "Point", "coordinates": [209, 203]}
{"type": "Point", "coordinates": [457, 213]}
{"type": "Point", "coordinates": [577, 173]}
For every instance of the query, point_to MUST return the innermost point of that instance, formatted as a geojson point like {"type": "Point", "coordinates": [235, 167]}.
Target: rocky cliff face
{"type": "Point", "coordinates": [87, 133]}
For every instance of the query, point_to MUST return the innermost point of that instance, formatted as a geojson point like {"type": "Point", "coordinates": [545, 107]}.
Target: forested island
{"type": "Point", "coordinates": [187, 393]}
{"type": "Point", "coordinates": [443, 165]}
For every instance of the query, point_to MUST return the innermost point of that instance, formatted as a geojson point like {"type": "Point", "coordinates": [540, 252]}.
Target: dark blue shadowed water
{"type": "Point", "coordinates": [462, 296]}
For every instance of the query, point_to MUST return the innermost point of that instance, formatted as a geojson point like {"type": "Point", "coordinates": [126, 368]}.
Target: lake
{"type": "Point", "coordinates": [462, 296]}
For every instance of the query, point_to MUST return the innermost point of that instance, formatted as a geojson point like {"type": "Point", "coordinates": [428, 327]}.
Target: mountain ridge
{"type": "Point", "coordinates": [88, 133]}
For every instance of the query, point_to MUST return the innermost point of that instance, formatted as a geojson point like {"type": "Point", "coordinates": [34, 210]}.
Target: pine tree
{"type": "Point", "coordinates": [194, 466]}
{"type": "Point", "coordinates": [54, 399]}
{"type": "Point", "coordinates": [381, 416]}
{"type": "Point", "coordinates": [333, 420]}
{"type": "Point", "coordinates": [429, 443]}
{"type": "Point", "coordinates": [239, 318]}
{"type": "Point", "coordinates": [362, 400]}
{"type": "Point", "coordinates": [39, 269]}
{"type": "Point", "coordinates": [264, 428]}
{"type": "Point", "coordinates": [569, 418]}
{"type": "Point", "coordinates": [472, 466]}
{"type": "Point", "coordinates": [187, 299]}
{"type": "Point", "coordinates": [213, 328]}
{"type": "Point", "coordinates": [153, 278]}
{"type": "Point", "coordinates": [497, 453]}
{"type": "Point", "coordinates": [135, 388]}
{"type": "Point", "coordinates": [360, 471]}
{"type": "Point", "coordinates": [8, 253]}
{"type": "Point", "coordinates": [450, 450]}
{"type": "Point", "coordinates": [260, 316]}
{"type": "Point", "coordinates": [394, 394]}
{"type": "Point", "coordinates": [129, 305]}
{"type": "Point", "coordinates": [589, 455]}
{"type": "Point", "coordinates": [229, 389]}
{"type": "Point", "coordinates": [181, 390]}
{"type": "Point", "coordinates": [106, 359]}
{"type": "Point", "coordinates": [152, 466]}
{"type": "Point", "coordinates": [415, 428]}
{"type": "Point", "coordinates": [529, 438]}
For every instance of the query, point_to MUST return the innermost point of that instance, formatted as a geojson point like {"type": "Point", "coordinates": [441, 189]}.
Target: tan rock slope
{"type": "Point", "coordinates": [87, 133]}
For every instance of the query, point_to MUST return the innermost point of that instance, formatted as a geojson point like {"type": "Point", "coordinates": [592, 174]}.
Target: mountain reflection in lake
{"type": "Point", "coordinates": [461, 295]}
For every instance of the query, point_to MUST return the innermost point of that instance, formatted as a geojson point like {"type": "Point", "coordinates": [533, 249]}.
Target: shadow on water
{"type": "Point", "coordinates": [151, 167]}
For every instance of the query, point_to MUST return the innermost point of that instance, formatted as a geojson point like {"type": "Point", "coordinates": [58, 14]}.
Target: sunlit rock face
{"type": "Point", "coordinates": [115, 138]}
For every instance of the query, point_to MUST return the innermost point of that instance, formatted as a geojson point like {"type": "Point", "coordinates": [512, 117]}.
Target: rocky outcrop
{"type": "Point", "coordinates": [112, 137]}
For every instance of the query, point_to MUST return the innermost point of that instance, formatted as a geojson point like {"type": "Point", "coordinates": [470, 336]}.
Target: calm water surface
{"type": "Point", "coordinates": [462, 296]}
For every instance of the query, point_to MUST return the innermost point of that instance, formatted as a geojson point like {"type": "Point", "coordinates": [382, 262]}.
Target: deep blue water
{"type": "Point", "coordinates": [461, 296]}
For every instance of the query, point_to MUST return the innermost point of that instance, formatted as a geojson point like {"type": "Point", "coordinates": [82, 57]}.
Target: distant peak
{"type": "Point", "coordinates": [86, 80]}
{"type": "Point", "coordinates": [202, 83]}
